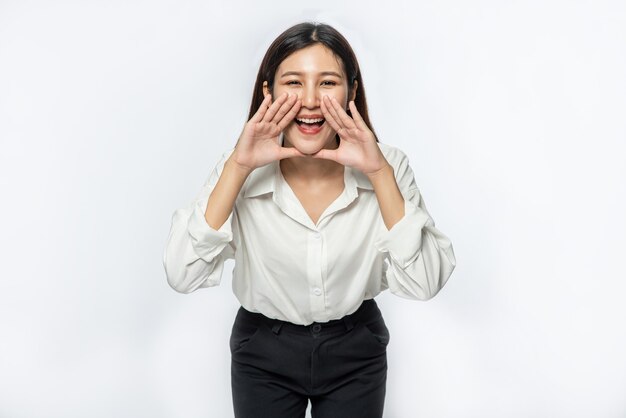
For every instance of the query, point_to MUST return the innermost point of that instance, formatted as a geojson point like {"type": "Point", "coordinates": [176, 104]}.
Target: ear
{"type": "Point", "coordinates": [354, 88]}
{"type": "Point", "coordinates": [266, 90]}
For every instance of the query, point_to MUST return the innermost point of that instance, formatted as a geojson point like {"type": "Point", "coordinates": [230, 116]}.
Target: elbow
{"type": "Point", "coordinates": [422, 283]}
{"type": "Point", "coordinates": [420, 294]}
{"type": "Point", "coordinates": [185, 270]}
{"type": "Point", "coordinates": [187, 279]}
{"type": "Point", "coordinates": [177, 276]}
{"type": "Point", "coordinates": [429, 295]}
{"type": "Point", "coordinates": [177, 280]}
{"type": "Point", "coordinates": [431, 277]}
{"type": "Point", "coordinates": [443, 275]}
{"type": "Point", "coordinates": [187, 284]}
{"type": "Point", "coordinates": [411, 288]}
{"type": "Point", "coordinates": [179, 285]}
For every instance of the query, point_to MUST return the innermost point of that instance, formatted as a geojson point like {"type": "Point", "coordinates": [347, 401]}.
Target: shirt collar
{"type": "Point", "coordinates": [264, 179]}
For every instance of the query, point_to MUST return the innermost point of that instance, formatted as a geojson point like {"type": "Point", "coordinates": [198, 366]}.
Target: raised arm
{"type": "Point", "coordinates": [421, 258]}
{"type": "Point", "coordinates": [204, 234]}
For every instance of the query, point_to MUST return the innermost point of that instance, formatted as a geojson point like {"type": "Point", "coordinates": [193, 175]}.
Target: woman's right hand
{"type": "Point", "coordinates": [258, 144]}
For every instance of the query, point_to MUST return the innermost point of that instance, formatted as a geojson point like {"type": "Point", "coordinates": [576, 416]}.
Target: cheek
{"type": "Point", "coordinates": [278, 90]}
{"type": "Point", "coordinates": [340, 96]}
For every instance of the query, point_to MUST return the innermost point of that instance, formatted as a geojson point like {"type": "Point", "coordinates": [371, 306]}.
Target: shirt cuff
{"type": "Point", "coordinates": [206, 241]}
{"type": "Point", "coordinates": [403, 241]}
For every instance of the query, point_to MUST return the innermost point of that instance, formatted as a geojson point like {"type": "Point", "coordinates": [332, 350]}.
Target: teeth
{"type": "Point", "coordinates": [310, 120]}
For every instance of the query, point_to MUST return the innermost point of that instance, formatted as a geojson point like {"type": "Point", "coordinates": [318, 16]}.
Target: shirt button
{"type": "Point", "coordinates": [317, 235]}
{"type": "Point", "coordinates": [316, 327]}
{"type": "Point", "coordinates": [317, 291]}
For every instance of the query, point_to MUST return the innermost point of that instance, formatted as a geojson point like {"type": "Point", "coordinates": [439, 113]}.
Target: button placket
{"type": "Point", "coordinates": [315, 276]}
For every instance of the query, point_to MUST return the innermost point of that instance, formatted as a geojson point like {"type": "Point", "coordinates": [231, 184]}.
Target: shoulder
{"type": "Point", "coordinates": [403, 172]}
{"type": "Point", "coordinates": [226, 155]}
{"type": "Point", "coordinates": [218, 167]}
{"type": "Point", "coordinates": [394, 155]}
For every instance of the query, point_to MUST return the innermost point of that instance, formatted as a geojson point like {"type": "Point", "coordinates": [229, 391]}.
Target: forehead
{"type": "Point", "coordinates": [313, 59]}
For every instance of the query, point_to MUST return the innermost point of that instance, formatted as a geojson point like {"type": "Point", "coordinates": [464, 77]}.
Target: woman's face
{"type": "Point", "coordinates": [311, 73]}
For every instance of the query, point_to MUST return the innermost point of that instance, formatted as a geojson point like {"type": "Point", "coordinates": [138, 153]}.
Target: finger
{"type": "Point", "coordinates": [333, 112]}
{"type": "Point", "coordinates": [290, 115]}
{"type": "Point", "coordinates": [285, 108]}
{"type": "Point", "coordinates": [346, 120]}
{"type": "Point", "coordinates": [329, 116]}
{"type": "Point", "coordinates": [274, 107]}
{"type": "Point", "coordinates": [360, 123]}
{"type": "Point", "coordinates": [262, 108]}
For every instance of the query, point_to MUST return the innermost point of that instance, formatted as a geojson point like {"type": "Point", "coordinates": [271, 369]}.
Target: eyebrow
{"type": "Point", "coordinates": [321, 73]}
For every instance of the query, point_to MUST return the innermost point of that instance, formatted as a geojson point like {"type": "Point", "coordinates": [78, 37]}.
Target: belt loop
{"type": "Point", "coordinates": [348, 322]}
{"type": "Point", "coordinates": [276, 327]}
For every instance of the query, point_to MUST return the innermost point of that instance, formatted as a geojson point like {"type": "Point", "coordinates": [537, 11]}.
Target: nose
{"type": "Point", "coordinates": [310, 96]}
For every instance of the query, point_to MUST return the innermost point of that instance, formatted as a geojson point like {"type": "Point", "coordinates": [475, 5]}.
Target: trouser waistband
{"type": "Point", "coordinates": [368, 309]}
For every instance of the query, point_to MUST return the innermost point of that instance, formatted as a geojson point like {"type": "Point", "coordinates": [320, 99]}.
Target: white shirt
{"type": "Point", "coordinates": [289, 268]}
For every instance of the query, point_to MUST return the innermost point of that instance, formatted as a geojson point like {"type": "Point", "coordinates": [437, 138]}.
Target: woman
{"type": "Point", "coordinates": [320, 217]}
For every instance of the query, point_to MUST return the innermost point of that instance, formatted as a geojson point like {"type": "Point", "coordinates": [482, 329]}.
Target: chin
{"type": "Point", "coordinates": [309, 144]}
{"type": "Point", "coordinates": [310, 147]}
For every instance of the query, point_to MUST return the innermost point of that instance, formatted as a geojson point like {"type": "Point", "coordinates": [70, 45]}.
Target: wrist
{"type": "Point", "coordinates": [237, 167]}
{"type": "Point", "coordinates": [381, 172]}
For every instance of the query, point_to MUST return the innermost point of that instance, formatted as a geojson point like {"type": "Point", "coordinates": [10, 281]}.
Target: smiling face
{"type": "Point", "coordinates": [311, 73]}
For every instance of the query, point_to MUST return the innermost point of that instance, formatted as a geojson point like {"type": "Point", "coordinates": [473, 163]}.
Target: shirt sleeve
{"type": "Point", "coordinates": [195, 253]}
{"type": "Point", "coordinates": [419, 257]}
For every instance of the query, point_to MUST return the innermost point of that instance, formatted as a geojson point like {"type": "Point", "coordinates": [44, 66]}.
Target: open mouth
{"type": "Point", "coordinates": [310, 123]}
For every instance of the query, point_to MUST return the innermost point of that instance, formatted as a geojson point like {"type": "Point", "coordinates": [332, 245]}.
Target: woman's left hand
{"type": "Point", "coordinates": [358, 147]}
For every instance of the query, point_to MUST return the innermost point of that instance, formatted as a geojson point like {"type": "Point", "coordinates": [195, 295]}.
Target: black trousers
{"type": "Point", "coordinates": [340, 366]}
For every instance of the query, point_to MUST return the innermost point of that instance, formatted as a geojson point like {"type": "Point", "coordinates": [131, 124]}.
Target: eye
{"type": "Point", "coordinates": [291, 82]}
{"type": "Point", "coordinates": [330, 83]}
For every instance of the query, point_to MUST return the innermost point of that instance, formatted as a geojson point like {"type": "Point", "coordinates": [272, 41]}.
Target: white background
{"type": "Point", "coordinates": [113, 113]}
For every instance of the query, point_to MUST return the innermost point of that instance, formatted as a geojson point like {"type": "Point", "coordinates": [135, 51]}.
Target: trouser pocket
{"type": "Point", "coordinates": [378, 330]}
{"type": "Point", "coordinates": [242, 333]}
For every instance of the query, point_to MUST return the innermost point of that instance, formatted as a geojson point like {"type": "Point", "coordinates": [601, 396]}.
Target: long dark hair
{"type": "Point", "coordinates": [298, 37]}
